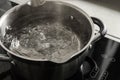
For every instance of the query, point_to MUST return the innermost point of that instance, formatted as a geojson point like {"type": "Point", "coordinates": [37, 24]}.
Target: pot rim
{"type": "Point", "coordinates": [75, 54]}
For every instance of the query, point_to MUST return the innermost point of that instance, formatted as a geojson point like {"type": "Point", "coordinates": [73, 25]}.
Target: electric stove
{"type": "Point", "coordinates": [102, 63]}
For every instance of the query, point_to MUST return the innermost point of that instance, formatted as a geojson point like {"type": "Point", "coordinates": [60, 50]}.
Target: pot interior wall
{"type": "Point", "coordinates": [50, 12]}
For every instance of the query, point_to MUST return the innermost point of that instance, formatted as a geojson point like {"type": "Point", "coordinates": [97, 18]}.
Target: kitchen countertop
{"type": "Point", "coordinates": [106, 10]}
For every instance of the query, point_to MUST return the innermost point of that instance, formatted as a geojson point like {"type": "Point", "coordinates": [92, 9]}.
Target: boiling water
{"type": "Point", "coordinates": [52, 41]}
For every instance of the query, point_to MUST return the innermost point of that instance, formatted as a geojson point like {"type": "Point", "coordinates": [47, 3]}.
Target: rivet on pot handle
{"type": "Point", "coordinates": [102, 30]}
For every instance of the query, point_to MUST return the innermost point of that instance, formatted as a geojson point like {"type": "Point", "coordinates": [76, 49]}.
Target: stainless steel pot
{"type": "Point", "coordinates": [39, 69]}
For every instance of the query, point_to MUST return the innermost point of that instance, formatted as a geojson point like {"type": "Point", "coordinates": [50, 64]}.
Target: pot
{"type": "Point", "coordinates": [67, 14]}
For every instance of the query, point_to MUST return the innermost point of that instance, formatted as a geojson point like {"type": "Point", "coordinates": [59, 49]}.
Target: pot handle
{"type": "Point", "coordinates": [5, 58]}
{"type": "Point", "coordinates": [3, 55]}
{"type": "Point", "coordinates": [89, 67]}
{"type": "Point", "coordinates": [102, 30]}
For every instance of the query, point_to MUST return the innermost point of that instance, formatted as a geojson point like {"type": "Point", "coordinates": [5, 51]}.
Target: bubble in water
{"type": "Point", "coordinates": [52, 41]}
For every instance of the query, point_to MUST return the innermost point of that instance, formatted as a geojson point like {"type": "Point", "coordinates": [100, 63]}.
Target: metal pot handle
{"type": "Point", "coordinates": [102, 30]}
{"type": "Point", "coordinates": [5, 58]}
{"type": "Point", "coordinates": [3, 55]}
{"type": "Point", "coordinates": [90, 66]}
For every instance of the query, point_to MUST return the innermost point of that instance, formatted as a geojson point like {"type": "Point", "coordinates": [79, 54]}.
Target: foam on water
{"type": "Point", "coordinates": [52, 41]}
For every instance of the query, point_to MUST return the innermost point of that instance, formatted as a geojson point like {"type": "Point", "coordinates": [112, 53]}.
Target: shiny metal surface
{"type": "Point", "coordinates": [36, 69]}
{"type": "Point", "coordinates": [84, 30]}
